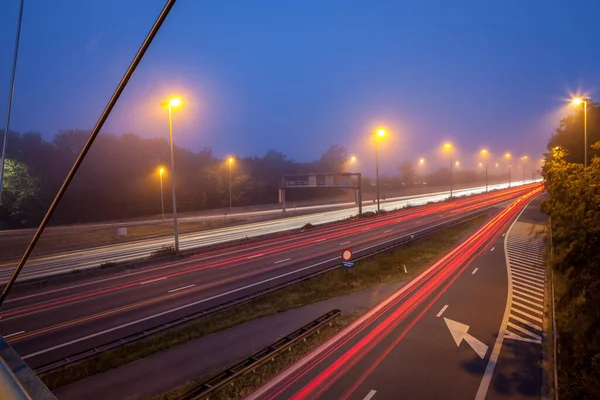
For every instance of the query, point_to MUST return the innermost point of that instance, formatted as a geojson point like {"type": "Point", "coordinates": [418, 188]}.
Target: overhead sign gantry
{"type": "Point", "coordinates": [339, 180]}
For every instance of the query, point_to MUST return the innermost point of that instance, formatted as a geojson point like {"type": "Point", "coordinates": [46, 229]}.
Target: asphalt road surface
{"type": "Point", "coordinates": [49, 265]}
{"type": "Point", "coordinates": [47, 324]}
{"type": "Point", "coordinates": [466, 328]}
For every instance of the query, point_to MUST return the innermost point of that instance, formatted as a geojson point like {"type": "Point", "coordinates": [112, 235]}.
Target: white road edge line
{"type": "Point", "coordinates": [13, 334]}
{"type": "Point", "coordinates": [181, 288]}
{"type": "Point", "coordinates": [489, 369]}
{"type": "Point", "coordinates": [137, 321]}
{"type": "Point", "coordinates": [280, 261]}
{"type": "Point", "coordinates": [370, 395]}
{"type": "Point", "coordinates": [442, 311]}
{"type": "Point", "coordinates": [475, 270]}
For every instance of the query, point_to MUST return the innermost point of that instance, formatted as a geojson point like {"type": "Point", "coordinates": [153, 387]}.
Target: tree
{"type": "Point", "coordinates": [19, 203]}
{"type": "Point", "coordinates": [574, 208]}
{"type": "Point", "coordinates": [569, 134]}
{"type": "Point", "coordinates": [333, 160]}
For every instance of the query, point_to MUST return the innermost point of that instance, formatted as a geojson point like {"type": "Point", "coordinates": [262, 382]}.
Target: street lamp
{"type": "Point", "coordinates": [161, 171]}
{"type": "Point", "coordinates": [230, 162]}
{"type": "Point", "coordinates": [507, 156]}
{"type": "Point", "coordinates": [448, 148]}
{"type": "Point", "coordinates": [523, 161]}
{"type": "Point", "coordinates": [379, 134]}
{"type": "Point", "coordinates": [173, 102]}
{"type": "Point", "coordinates": [578, 101]}
{"type": "Point", "coordinates": [484, 153]}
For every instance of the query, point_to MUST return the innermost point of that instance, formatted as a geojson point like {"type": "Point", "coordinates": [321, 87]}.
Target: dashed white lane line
{"type": "Point", "coordinates": [280, 261]}
{"type": "Point", "coordinates": [153, 280]}
{"type": "Point", "coordinates": [256, 255]}
{"type": "Point", "coordinates": [370, 395]}
{"type": "Point", "coordinates": [492, 249]}
{"type": "Point", "coordinates": [341, 244]}
{"type": "Point", "coordinates": [13, 334]}
{"type": "Point", "coordinates": [388, 231]}
{"type": "Point", "coordinates": [182, 288]}
{"type": "Point", "coordinates": [475, 270]}
{"type": "Point", "coordinates": [503, 234]}
{"type": "Point", "coordinates": [442, 311]}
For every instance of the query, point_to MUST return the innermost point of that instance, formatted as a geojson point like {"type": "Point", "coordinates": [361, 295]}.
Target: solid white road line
{"type": "Point", "coordinates": [182, 307]}
{"type": "Point", "coordinates": [280, 261]}
{"type": "Point", "coordinates": [370, 395]}
{"type": "Point", "coordinates": [527, 283]}
{"type": "Point", "coordinates": [13, 334]}
{"type": "Point", "coordinates": [536, 292]}
{"type": "Point", "coordinates": [153, 280]}
{"type": "Point", "coordinates": [341, 244]}
{"type": "Point", "coordinates": [533, 303]}
{"type": "Point", "coordinates": [475, 270]}
{"type": "Point", "coordinates": [489, 369]}
{"type": "Point", "coordinates": [528, 276]}
{"type": "Point", "coordinates": [522, 293]}
{"type": "Point", "coordinates": [524, 321]}
{"type": "Point", "coordinates": [442, 311]}
{"type": "Point", "coordinates": [181, 288]}
{"type": "Point", "coordinates": [523, 313]}
{"type": "Point", "coordinates": [525, 331]}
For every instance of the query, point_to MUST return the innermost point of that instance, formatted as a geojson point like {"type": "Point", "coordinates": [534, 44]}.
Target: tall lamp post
{"type": "Point", "coordinates": [484, 153]}
{"type": "Point", "coordinates": [161, 171]}
{"type": "Point", "coordinates": [448, 148]}
{"type": "Point", "coordinates": [379, 134]}
{"type": "Point", "coordinates": [174, 102]}
{"type": "Point", "coordinates": [523, 161]}
{"type": "Point", "coordinates": [577, 101]}
{"type": "Point", "coordinates": [230, 162]}
{"type": "Point", "coordinates": [507, 156]}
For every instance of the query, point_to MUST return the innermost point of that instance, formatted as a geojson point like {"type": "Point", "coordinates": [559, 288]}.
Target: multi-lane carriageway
{"type": "Point", "coordinates": [47, 324]}
{"type": "Point", "coordinates": [438, 337]}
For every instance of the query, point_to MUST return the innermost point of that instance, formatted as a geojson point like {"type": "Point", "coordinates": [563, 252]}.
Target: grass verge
{"type": "Point", "coordinates": [244, 384]}
{"type": "Point", "coordinates": [382, 268]}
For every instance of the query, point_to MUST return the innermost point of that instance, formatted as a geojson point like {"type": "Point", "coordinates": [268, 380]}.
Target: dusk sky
{"type": "Point", "coordinates": [298, 76]}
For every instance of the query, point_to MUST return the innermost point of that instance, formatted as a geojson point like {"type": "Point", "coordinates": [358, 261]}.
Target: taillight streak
{"type": "Point", "coordinates": [450, 264]}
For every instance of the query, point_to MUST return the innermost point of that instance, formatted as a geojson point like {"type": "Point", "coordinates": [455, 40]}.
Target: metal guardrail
{"type": "Point", "coordinates": [258, 358]}
{"type": "Point", "coordinates": [359, 255]}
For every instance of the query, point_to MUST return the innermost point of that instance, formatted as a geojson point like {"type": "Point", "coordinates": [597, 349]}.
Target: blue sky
{"type": "Point", "coordinates": [299, 76]}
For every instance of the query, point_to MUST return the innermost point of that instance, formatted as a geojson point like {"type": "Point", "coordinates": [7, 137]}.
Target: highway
{"type": "Point", "coordinates": [47, 324]}
{"type": "Point", "coordinates": [49, 265]}
{"type": "Point", "coordinates": [468, 327]}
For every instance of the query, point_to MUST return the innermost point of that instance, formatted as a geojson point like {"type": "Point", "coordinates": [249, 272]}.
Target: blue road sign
{"type": "Point", "coordinates": [348, 264]}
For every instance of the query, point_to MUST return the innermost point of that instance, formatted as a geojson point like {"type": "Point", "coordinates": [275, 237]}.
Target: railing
{"type": "Point", "coordinates": [258, 358]}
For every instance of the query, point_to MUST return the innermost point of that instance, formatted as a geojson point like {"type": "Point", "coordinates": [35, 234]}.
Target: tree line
{"type": "Point", "coordinates": [119, 178]}
{"type": "Point", "coordinates": [574, 209]}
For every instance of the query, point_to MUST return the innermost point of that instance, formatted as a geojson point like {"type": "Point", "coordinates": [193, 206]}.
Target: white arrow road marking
{"type": "Point", "coordinates": [459, 332]}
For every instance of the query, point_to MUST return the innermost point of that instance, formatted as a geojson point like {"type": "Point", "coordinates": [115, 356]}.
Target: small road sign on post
{"type": "Point", "coordinates": [346, 257]}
